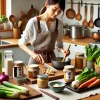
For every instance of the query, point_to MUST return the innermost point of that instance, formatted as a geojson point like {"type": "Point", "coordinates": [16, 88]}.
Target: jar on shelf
{"type": "Point", "coordinates": [69, 73]}
{"type": "Point", "coordinates": [42, 80]}
{"type": "Point", "coordinates": [8, 62]}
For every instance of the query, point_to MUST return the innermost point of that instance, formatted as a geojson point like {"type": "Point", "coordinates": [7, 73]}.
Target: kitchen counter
{"type": "Point", "coordinates": [85, 41]}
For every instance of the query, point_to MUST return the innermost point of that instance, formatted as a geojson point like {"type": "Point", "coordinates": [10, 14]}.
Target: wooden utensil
{"type": "Point", "coordinates": [66, 55]}
{"type": "Point", "coordinates": [50, 95]}
{"type": "Point", "coordinates": [85, 23]}
{"type": "Point", "coordinates": [78, 15]}
{"type": "Point", "coordinates": [91, 24]}
{"type": "Point", "coordinates": [70, 13]}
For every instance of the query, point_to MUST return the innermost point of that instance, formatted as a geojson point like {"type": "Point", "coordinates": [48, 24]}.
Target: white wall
{"type": "Point", "coordinates": [16, 6]}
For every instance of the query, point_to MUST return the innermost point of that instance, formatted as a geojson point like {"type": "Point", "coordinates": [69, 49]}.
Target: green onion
{"type": "Point", "coordinates": [23, 90]}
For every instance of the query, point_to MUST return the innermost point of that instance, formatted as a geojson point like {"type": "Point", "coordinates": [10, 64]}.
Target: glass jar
{"type": "Point", "coordinates": [42, 81]}
{"type": "Point", "coordinates": [33, 70]}
{"type": "Point", "coordinates": [69, 73]}
{"type": "Point", "coordinates": [18, 68]}
{"type": "Point", "coordinates": [8, 62]}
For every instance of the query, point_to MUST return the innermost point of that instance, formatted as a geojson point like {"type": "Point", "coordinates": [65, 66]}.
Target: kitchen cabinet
{"type": "Point", "coordinates": [73, 49]}
{"type": "Point", "coordinates": [18, 54]}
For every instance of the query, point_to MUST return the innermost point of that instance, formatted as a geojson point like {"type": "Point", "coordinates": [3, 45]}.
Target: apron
{"type": "Point", "coordinates": [44, 44]}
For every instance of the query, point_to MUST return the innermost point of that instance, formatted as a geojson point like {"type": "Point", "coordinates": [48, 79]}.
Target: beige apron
{"type": "Point", "coordinates": [45, 44]}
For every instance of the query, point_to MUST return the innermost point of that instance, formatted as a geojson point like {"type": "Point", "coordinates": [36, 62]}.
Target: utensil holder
{"type": "Point", "coordinates": [16, 33]}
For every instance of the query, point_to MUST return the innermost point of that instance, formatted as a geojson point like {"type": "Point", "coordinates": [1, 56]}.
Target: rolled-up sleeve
{"type": "Point", "coordinates": [59, 43]}
{"type": "Point", "coordinates": [26, 34]}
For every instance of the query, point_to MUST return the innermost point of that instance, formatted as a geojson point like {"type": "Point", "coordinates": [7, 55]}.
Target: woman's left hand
{"type": "Point", "coordinates": [66, 53]}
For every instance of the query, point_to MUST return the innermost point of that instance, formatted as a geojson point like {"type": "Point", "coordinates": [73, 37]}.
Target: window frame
{"type": "Point", "coordinates": [2, 7]}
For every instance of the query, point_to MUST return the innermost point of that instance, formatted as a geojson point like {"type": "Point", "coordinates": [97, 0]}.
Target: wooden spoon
{"type": "Point", "coordinates": [85, 23]}
{"type": "Point", "coordinates": [91, 24]}
{"type": "Point", "coordinates": [78, 15]}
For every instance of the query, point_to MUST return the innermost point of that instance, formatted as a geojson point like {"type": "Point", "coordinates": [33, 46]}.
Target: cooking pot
{"type": "Point", "coordinates": [58, 64]}
{"type": "Point", "coordinates": [96, 35]}
{"type": "Point", "coordinates": [76, 31]}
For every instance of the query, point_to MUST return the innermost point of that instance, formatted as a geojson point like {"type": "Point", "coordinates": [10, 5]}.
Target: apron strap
{"type": "Point", "coordinates": [39, 28]}
{"type": "Point", "coordinates": [38, 23]}
{"type": "Point", "coordinates": [56, 29]}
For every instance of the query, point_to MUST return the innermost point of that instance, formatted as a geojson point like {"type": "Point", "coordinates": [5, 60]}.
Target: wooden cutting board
{"type": "Point", "coordinates": [32, 92]}
{"type": "Point", "coordinates": [58, 75]}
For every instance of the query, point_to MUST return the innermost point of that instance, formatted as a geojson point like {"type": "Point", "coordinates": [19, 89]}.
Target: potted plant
{"type": "Point", "coordinates": [92, 53]}
{"type": "Point", "coordinates": [3, 21]}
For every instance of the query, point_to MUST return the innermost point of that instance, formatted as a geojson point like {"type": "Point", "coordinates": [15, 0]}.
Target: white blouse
{"type": "Point", "coordinates": [31, 30]}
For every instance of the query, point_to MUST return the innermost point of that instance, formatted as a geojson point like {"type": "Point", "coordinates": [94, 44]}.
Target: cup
{"type": "Point", "coordinates": [16, 33]}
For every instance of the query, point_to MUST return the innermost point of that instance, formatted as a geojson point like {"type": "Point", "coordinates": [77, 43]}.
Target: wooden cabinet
{"type": "Point", "coordinates": [73, 49]}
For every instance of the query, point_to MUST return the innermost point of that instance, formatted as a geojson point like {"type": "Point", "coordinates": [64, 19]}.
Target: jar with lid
{"type": "Point", "coordinates": [18, 68]}
{"type": "Point", "coordinates": [79, 60]}
{"type": "Point", "coordinates": [8, 62]}
{"type": "Point", "coordinates": [33, 70]}
{"type": "Point", "coordinates": [69, 73]}
{"type": "Point", "coordinates": [42, 80]}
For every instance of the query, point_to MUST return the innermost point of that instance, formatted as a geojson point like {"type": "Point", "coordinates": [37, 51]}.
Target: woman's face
{"type": "Point", "coordinates": [53, 10]}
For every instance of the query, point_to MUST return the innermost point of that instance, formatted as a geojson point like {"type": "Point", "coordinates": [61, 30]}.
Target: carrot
{"type": "Point", "coordinates": [95, 83]}
{"type": "Point", "coordinates": [85, 84]}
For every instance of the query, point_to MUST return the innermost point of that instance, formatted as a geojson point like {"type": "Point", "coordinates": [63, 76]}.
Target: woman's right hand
{"type": "Point", "coordinates": [38, 58]}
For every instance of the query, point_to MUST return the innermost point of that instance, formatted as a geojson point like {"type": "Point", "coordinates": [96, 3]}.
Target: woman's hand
{"type": "Point", "coordinates": [66, 53]}
{"type": "Point", "coordinates": [38, 58]}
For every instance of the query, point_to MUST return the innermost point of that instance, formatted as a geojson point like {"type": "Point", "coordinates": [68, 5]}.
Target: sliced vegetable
{"type": "Point", "coordinates": [22, 89]}
{"type": "Point", "coordinates": [9, 92]}
{"type": "Point", "coordinates": [86, 84]}
{"type": "Point", "coordinates": [95, 83]}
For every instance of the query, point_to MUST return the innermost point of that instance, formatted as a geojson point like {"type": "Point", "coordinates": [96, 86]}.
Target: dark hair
{"type": "Point", "coordinates": [52, 2]}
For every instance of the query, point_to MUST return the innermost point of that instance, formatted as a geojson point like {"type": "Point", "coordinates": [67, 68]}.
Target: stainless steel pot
{"type": "Point", "coordinates": [77, 31]}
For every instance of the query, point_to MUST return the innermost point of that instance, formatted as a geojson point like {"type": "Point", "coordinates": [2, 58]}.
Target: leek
{"type": "Point", "coordinates": [8, 92]}
{"type": "Point", "coordinates": [23, 90]}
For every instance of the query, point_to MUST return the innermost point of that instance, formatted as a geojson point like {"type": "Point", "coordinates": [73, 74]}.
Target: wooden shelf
{"type": "Point", "coordinates": [6, 30]}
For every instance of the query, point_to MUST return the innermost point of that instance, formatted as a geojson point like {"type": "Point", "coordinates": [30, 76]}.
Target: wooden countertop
{"type": "Point", "coordinates": [85, 41]}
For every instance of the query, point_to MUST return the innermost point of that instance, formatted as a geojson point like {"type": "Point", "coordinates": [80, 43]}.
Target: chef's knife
{"type": "Point", "coordinates": [49, 67]}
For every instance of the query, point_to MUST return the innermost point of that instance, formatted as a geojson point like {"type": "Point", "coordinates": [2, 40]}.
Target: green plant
{"type": "Point", "coordinates": [92, 53]}
{"type": "Point", "coordinates": [3, 19]}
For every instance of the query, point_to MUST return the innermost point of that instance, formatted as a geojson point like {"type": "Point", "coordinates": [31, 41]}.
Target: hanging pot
{"type": "Point", "coordinates": [96, 35]}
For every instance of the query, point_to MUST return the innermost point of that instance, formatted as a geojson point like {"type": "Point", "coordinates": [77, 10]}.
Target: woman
{"type": "Point", "coordinates": [44, 33]}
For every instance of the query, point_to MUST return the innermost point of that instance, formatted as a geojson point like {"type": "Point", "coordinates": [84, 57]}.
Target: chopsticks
{"type": "Point", "coordinates": [50, 95]}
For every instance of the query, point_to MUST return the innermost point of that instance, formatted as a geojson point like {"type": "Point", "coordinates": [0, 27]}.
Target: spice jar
{"type": "Point", "coordinates": [69, 73]}
{"type": "Point", "coordinates": [18, 68]}
{"type": "Point", "coordinates": [42, 80]}
{"type": "Point", "coordinates": [33, 70]}
{"type": "Point", "coordinates": [79, 60]}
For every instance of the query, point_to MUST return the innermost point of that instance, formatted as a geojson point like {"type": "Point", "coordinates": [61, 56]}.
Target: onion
{"type": "Point", "coordinates": [4, 77]}
{"type": "Point", "coordinates": [75, 84]}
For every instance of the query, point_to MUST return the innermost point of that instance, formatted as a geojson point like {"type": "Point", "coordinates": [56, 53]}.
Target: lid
{"type": "Point", "coordinates": [18, 62]}
{"type": "Point", "coordinates": [33, 66]}
{"type": "Point", "coordinates": [69, 67]}
{"type": "Point", "coordinates": [42, 76]}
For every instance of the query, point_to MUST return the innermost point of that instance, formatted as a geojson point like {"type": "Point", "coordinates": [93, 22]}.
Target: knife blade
{"type": "Point", "coordinates": [49, 67]}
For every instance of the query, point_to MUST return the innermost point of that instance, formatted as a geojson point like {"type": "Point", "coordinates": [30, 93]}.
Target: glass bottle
{"type": "Point", "coordinates": [8, 62]}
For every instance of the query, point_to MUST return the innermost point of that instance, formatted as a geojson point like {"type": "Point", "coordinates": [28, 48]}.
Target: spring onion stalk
{"type": "Point", "coordinates": [9, 92]}
{"type": "Point", "coordinates": [23, 90]}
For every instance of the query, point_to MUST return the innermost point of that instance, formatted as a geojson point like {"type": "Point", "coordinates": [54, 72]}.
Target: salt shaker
{"type": "Point", "coordinates": [8, 62]}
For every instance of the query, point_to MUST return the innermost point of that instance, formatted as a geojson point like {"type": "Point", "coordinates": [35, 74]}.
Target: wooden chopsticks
{"type": "Point", "coordinates": [50, 95]}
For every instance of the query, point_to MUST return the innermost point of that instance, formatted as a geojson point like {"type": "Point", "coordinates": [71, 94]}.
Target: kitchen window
{"type": "Point", "coordinates": [2, 7]}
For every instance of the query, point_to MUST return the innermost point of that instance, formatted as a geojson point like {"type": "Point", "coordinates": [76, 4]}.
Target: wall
{"type": "Point", "coordinates": [16, 6]}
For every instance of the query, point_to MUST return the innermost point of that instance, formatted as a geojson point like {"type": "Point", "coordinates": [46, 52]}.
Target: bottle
{"type": "Point", "coordinates": [0, 62]}
{"type": "Point", "coordinates": [8, 62]}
